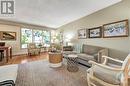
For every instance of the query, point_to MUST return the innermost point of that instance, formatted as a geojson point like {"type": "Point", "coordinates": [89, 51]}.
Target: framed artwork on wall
{"type": "Point", "coordinates": [95, 32]}
{"type": "Point", "coordinates": [82, 33]}
{"type": "Point", "coordinates": [5, 35]}
{"type": "Point", "coordinates": [116, 29]}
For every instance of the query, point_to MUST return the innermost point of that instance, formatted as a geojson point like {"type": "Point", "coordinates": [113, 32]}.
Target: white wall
{"type": "Point", "coordinates": [119, 47]}
{"type": "Point", "coordinates": [16, 43]}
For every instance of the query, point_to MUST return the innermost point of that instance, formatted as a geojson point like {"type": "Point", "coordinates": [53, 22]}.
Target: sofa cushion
{"type": "Point", "coordinates": [88, 49]}
{"type": "Point", "coordinates": [109, 76]}
{"type": "Point", "coordinates": [86, 57]}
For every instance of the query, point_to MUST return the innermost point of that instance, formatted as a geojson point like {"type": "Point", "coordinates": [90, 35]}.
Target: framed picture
{"type": "Point", "coordinates": [95, 32]}
{"type": "Point", "coordinates": [5, 35]}
{"type": "Point", "coordinates": [82, 33]}
{"type": "Point", "coordinates": [116, 29]}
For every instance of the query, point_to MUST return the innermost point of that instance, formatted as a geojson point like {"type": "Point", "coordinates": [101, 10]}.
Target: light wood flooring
{"type": "Point", "coordinates": [19, 59]}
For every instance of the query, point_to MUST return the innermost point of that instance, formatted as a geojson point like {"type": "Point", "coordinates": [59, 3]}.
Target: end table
{"type": "Point", "coordinates": [72, 63]}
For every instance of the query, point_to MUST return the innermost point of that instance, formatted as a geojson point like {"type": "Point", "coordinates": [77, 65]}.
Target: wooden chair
{"type": "Point", "coordinates": [108, 75]}
{"type": "Point", "coordinates": [2, 51]}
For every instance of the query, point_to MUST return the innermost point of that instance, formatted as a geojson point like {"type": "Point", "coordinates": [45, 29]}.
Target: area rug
{"type": "Point", "coordinates": [39, 73]}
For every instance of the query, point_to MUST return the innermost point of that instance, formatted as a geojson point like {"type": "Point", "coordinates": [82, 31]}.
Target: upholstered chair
{"type": "Point", "coordinates": [102, 74]}
{"type": "Point", "coordinates": [33, 49]}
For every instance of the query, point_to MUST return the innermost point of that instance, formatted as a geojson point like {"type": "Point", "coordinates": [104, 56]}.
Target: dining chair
{"type": "Point", "coordinates": [2, 51]}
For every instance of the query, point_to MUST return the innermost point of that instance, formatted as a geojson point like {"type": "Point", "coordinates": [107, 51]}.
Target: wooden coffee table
{"type": "Point", "coordinates": [55, 59]}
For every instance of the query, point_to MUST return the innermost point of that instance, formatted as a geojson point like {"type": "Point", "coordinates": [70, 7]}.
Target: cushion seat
{"type": "Point", "coordinates": [86, 57]}
{"type": "Point", "coordinates": [34, 49]}
{"type": "Point", "coordinates": [109, 76]}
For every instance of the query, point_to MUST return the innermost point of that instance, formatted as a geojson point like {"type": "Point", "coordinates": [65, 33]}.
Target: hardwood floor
{"type": "Point", "coordinates": [24, 59]}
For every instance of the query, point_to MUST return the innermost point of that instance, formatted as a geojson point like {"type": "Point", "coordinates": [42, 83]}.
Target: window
{"type": "Point", "coordinates": [35, 36]}
{"type": "Point", "coordinates": [26, 37]}
{"type": "Point", "coordinates": [46, 37]}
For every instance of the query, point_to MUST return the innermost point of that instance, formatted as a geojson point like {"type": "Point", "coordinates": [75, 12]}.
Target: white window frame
{"type": "Point", "coordinates": [32, 36]}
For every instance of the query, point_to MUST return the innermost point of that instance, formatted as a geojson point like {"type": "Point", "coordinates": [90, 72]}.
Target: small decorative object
{"type": "Point", "coordinates": [116, 29]}
{"type": "Point", "coordinates": [82, 33]}
{"type": "Point", "coordinates": [5, 35]}
{"type": "Point", "coordinates": [95, 32]}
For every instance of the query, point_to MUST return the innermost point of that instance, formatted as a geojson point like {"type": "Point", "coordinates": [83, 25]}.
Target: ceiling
{"type": "Point", "coordinates": [55, 13]}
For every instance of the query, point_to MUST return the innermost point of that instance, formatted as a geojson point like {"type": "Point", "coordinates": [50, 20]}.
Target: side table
{"type": "Point", "coordinates": [72, 63]}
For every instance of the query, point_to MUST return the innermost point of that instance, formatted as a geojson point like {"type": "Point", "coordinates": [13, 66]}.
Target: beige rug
{"type": "Point", "coordinates": [39, 73]}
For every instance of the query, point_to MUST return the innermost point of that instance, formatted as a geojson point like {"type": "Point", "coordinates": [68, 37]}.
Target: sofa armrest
{"type": "Point", "coordinates": [101, 53]}
{"type": "Point", "coordinates": [95, 56]}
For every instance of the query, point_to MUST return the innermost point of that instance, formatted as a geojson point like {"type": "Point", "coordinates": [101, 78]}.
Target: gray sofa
{"type": "Point", "coordinates": [93, 53]}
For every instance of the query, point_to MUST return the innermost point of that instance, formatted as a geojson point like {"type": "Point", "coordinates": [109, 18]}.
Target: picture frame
{"type": "Point", "coordinates": [116, 29]}
{"type": "Point", "coordinates": [95, 32]}
{"type": "Point", "coordinates": [7, 35]}
{"type": "Point", "coordinates": [82, 33]}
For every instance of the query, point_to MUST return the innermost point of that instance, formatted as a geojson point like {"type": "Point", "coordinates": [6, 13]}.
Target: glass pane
{"type": "Point", "coordinates": [26, 37]}
{"type": "Point", "coordinates": [46, 37]}
{"type": "Point", "coordinates": [37, 36]}
{"type": "Point", "coordinates": [24, 45]}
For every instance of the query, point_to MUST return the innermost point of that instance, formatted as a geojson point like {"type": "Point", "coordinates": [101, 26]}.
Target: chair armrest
{"type": "Point", "coordinates": [116, 60]}
{"type": "Point", "coordinates": [105, 66]}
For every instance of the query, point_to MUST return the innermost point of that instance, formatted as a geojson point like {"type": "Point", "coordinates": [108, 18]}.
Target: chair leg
{"type": "Point", "coordinates": [29, 54]}
{"type": "Point", "coordinates": [88, 80]}
{"type": "Point", "coordinates": [125, 82]}
{"type": "Point", "coordinates": [0, 56]}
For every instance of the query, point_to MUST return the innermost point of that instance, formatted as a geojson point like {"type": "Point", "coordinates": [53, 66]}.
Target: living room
{"type": "Point", "coordinates": [73, 40]}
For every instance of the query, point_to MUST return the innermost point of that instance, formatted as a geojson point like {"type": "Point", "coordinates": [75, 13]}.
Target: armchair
{"type": "Point", "coordinates": [102, 74]}
{"type": "Point", "coordinates": [33, 49]}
